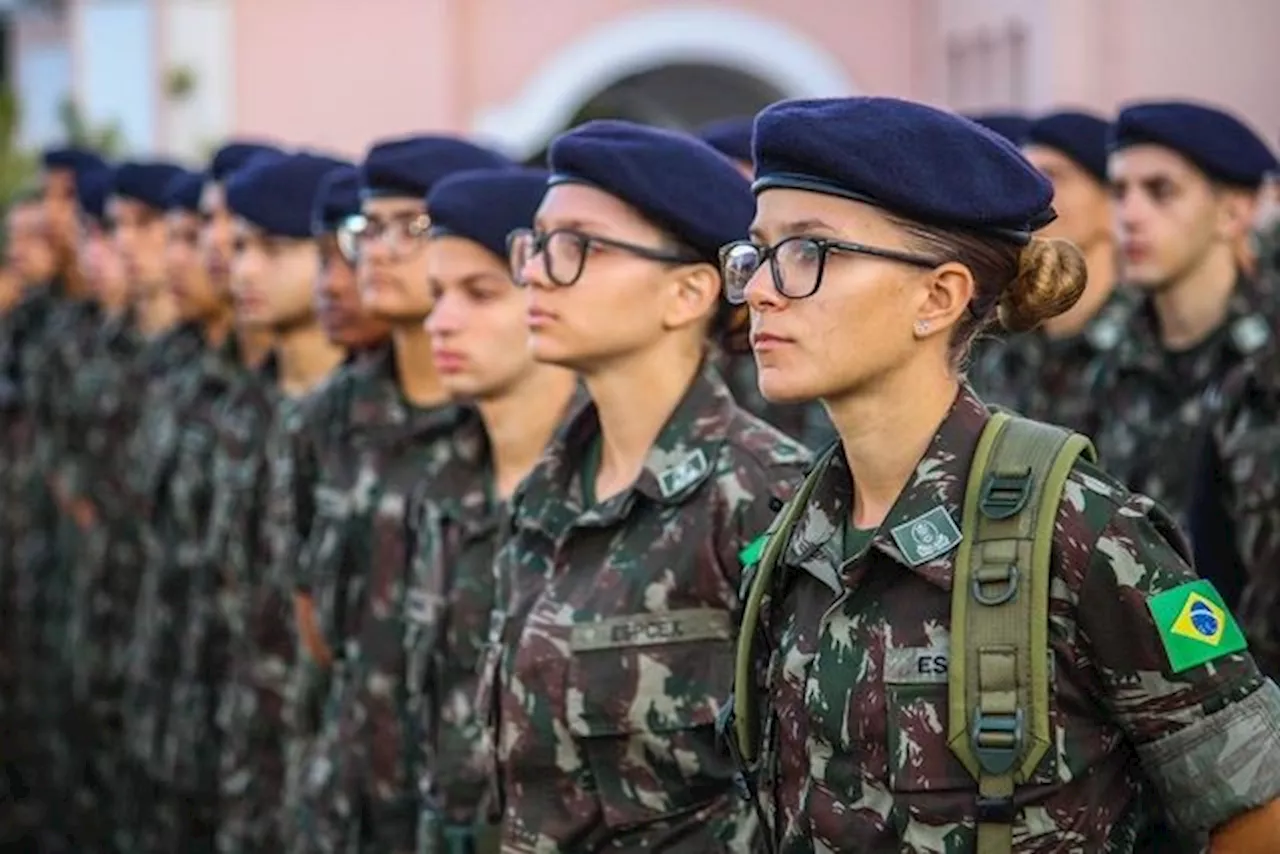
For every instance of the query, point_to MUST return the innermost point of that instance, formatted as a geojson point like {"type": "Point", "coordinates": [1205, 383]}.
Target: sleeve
{"type": "Point", "coordinates": [1176, 674]}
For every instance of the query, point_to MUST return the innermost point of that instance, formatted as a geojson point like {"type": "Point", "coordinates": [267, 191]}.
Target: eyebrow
{"type": "Point", "coordinates": [793, 228]}
{"type": "Point", "coordinates": [573, 224]}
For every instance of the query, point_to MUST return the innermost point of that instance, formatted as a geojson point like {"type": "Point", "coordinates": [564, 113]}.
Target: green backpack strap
{"type": "Point", "coordinates": [998, 686]}
{"type": "Point", "coordinates": [745, 695]}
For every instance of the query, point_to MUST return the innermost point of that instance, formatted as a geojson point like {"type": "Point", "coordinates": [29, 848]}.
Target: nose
{"type": "Point", "coordinates": [444, 318]}
{"type": "Point", "coordinates": [760, 292]}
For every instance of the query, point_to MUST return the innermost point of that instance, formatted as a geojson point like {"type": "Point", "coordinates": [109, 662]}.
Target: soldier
{"type": "Point", "coordinates": [1183, 180]}
{"type": "Point", "coordinates": [243, 648]}
{"type": "Point", "coordinates": [378, 429]}
{"type": "Point", "coordinates": [809, 424]}
{"type": "Point", "coordinates": [898, 652]}
{"type": "Point", "coordinates": [1045, 374]}
{"type": "Point", "coordinates": [618, 586]}
{"type": "Point", "coordinates": [62, 170]}
{"type": "Point", "coordinates": [29, 254]}
{"type": "Point", "coordinates": [479, 339]}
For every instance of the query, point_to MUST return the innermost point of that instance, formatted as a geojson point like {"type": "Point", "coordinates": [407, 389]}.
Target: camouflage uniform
{"type": "Point", "coordinates": [1151, 401]}
{"type": "Point", "coordinates": [613, 642]}
{"type": "Point", "coordinates": [104, 400]}
{"type": "Point", "coordinates": [807, 423]}
{"type": "Point", "coordinates": [354, 563]}
{"type": "Point", "coordinates": [456, 528]}
{"type": "Point", "coordinates": [175, 496]}
{"type": "Point", "coordinates": [1235, 511]}
{"type": "Point", "coordinates": [252, 530]}
{"type": "Point", "coordinates": [1051, 379]}
{"type": "Point", "coordinates": [856, 752]}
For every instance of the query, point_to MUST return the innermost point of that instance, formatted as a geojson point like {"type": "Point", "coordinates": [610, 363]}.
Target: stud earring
{"type": "Point", "coordinates": [922, 327]}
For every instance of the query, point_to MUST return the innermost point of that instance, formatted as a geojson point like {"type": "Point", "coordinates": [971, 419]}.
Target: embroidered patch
{"type": "Point", "coordinates": [926, 537]}
{"type": "Point", "coordinates": [1195, 625]}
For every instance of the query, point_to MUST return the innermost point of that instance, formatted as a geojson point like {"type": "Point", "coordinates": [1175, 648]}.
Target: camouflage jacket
{"type": "Point", "coordinates": [73, 330]}
{"type": "Point", "coordinates": [613, 642]}
{"type": "Point", "coordinates": [1152, 401]}
{"type": "Point", "coordinates": [354, 564]}
{"type": "Point", "coordinates": [1050, 379]}
{"type": "Point", "coordinates": [807, 423]}
{"type": "Point", "coordinates": [856, 753]}
{"type": "Point", "coordinates": [1235, 515]}
{"type": "Point", "coordinates": [177, 498]}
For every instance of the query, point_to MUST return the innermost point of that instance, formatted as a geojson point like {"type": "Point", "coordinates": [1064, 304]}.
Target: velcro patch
{"type": "Point", "coordinates": [687, 626]}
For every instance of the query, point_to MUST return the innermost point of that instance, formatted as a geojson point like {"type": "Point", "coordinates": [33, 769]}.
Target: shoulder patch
{"type": "Point", "coordinates": [1195, 625]}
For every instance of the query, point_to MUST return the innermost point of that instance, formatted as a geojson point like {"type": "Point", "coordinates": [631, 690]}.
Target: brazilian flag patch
{"type": "Point", "coordinates": [753, 550]}
{"type": "Point", "coordinates": [1195, 625]}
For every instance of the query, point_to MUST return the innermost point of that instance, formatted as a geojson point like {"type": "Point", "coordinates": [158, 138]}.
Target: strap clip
{"type": "Point", "coordinates": [1004, 495]}
{"type": "Point", "coordinates": [996, 810]}
{"type": "Point", "coordinates": [997, 739]}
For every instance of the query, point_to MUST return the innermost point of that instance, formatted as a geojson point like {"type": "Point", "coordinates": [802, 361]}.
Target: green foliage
{"type": "Point", "coordinates": [107, 139]}
{"type": "Point", "coordinates": [18, 168]}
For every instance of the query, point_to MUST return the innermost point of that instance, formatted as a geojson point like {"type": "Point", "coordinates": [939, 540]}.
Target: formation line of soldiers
{"type": "Point", "coordinates": [651, 500]}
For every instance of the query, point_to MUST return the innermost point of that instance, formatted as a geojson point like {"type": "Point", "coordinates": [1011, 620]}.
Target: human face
{"type": "Point", "coordinates": [60, 205]}
{"type": "Point", "coordinates": [29, 251]}
{"type": "Point", "coordinates": [479, 333]}
{"type": "Point", "coordinates": [1168, 216]}
{"type": "Point", "coordinates": [337, 300]}
{"type": "Point", "coordinates": [856, 328]}
{"type": "Point", "coordinates": [101, 266]}
{"type": "Point", "coordinates": [141, 236]}
{"type": "Point", "coordinates": [620, 301]}
{"type": "Point", "coordinates": [1080, 200]}
{"type": "Point", "coordinates": [193, 292]}
{"type": "Point", "coordinates": [217, 235]}
{"type": "Point", "coordinates": [272, 278]}
{"type": "Point", "coordinates": [391, 267]}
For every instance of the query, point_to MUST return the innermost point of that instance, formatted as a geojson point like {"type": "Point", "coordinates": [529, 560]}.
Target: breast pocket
{"type": "Point", "coordinates": [643, 696]}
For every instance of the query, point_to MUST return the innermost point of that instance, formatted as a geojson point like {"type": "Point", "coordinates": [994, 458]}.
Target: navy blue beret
{"type": "Point", "coordinates": [1011, 126]}
{"type": "Point", "coordinates": [926, 164]}
{"type": "Point", "coordinates": [92, 189]}
{"type": "Point", "coordinates": [675, 180]}
{"type": "Point", "coordinates": [337, 198]}
{"type": "Point", "coordinates": [1080, 136]}
{"type": "Point", "coordinates": [235, 155]}
{"type": "Point", "coordinates": [184, 191]}
{"type": "Point", "coordinates": [485, 205]}
{"type": "Point", "coordinates": [1222, 146]}
{"type": "Point", "coordinates": [78, 160]}
{"type": "Point", "coordinates": [146, 182]}
{"type": "Point", "coordinates": [276, 194]}
{"type": "Point", "coordinates": [730, 137]}
{"type": "Point", "coordinates": [410, 166]}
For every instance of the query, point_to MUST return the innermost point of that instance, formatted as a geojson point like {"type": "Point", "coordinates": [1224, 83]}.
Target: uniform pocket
{"type": "Point", "coordinates": [644, 691]}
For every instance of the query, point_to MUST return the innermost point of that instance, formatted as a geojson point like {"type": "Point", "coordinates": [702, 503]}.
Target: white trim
{"type": "Point", "coordinates": [763, 48]}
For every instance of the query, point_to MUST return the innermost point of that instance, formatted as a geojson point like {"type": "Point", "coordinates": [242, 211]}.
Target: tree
{"type": "Point", "coordinates": [107, 139]}
{"type": "Point", "coordinates": [18, 168]}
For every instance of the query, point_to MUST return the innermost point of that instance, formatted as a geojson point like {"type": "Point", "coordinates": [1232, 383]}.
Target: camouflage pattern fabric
{"type": "Point", "coordinates": [1151, 401]}
{"type": "Point", "coordinates": [1051, 379]}
{"type": "Point", "coordinates": [613, 645]}
{"type": "Point", "coordinates": [455, 529]}
{"type": "Point", "coordinates": [856, 726]}
{"type": "Point", "coordinates": [252, 529]}
{"type": "Point", "coordinates": [354, 564]}
{"type": "Point", "coordinates": [1235, 515]}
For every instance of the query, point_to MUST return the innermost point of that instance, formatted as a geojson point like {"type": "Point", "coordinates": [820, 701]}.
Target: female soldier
{"type": "Point", "coordinates": [479, 343]}
{"type": "Point", "coordinates": [622, 571]}
{"type": "Point", "coordinates": [867, 279]}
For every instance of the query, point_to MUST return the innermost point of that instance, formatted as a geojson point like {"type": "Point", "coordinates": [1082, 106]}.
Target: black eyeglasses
{"type": "Point", "coordinates": [564, 253]}
{"type": "Point", "coordinates": [400, 234]}
{"type": "Point", "coordinates": [796, 264]}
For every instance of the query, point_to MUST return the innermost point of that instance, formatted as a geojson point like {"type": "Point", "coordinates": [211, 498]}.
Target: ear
{"type": "Point", "coordinates": [694, 294]}
{"type": "Point", "coordinates": [943, 299]}
{"type": "Point", "coordinates": [1236, 212]}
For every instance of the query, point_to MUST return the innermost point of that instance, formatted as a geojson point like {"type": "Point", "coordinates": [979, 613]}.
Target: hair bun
{"type": "Point", "coordinates": [1051, 277]}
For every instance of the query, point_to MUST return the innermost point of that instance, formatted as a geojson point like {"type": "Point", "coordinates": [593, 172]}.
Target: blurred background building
{"type": "Point", "coordinates": [174, 76]}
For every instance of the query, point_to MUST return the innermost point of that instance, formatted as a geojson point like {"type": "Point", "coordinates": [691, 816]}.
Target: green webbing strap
{"type": "Point", "coordinates": [999, 680]}
{"type": "Point", "coordinates": [745, 696]}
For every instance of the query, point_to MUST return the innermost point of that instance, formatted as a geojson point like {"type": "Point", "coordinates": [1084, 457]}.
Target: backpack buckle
{"type": "Point", "coordinates": [997, 739]}
{"type": "Point", "coordinates": [1004, 495]}
{"type": "Point", "coordinates": [1006, 576]}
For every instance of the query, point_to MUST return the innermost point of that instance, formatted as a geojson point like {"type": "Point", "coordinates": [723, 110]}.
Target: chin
{"type": "Point", "coordinates": [549, 351]}
{"type": "Point", "coordinates": [782, 387]}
